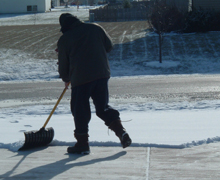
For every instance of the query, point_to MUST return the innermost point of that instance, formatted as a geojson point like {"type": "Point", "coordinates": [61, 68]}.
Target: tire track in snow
{"type": "Point", "coordinates": [18, 43]}
{"type": "Point", "coordinates": [211, 46]}
{"type": "Point", "coordinates": [9, 33]}
{"type": "Point", "coordinates": [45, 49]}
{"type": "Point", "coordinates": [49, 47]}
{"type": "Point", "coordinates": [145, 49]}
{"type": "Point", "coordinates": [198, 46]}
{"type": "Point", "coordinates": [21, 31]}
{"type": "Point", "coordinates": [131, 46]}
{"type": "Point", "coordinates": [12, 37]}
{"type": "Point", "coordinates": [172, 49]}
{"type": "Point", "coordinates": [112, 29]}
{"type": "Point", "coordinates": [40, 40]}
{"type": "Point", "coordinates": [25, 39]}
{"type": "Point", "coordinates": [121, 44]}
{"type": "Point", "coordinates": [184, 46]}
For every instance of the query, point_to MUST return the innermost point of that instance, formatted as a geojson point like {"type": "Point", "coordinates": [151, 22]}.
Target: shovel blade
{"type": "Point", "coordinates": [39, 138]}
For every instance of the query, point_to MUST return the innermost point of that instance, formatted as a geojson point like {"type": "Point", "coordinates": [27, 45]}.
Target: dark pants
{"type": "Point", "coordinates": [80, 105]}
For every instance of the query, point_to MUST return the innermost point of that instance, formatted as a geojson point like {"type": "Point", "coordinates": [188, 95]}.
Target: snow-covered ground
{"type": "Point", "coordinates": [44, 18]}
{"type": "Point", "coordinates": [176, 125]}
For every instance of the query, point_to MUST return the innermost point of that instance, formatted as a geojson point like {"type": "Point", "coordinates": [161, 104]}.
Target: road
{"type": "Point", "coordinates": [168, 88]}
{"type": "Point", "coordinates": [127, 89]}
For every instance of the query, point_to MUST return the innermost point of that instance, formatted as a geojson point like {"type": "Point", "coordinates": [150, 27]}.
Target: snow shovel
{"type": "Point", "coordinates": [42, 137]}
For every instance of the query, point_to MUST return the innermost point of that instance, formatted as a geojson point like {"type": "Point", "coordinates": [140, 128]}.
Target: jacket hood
{"type": "Point", "coordinates": [67, 20]}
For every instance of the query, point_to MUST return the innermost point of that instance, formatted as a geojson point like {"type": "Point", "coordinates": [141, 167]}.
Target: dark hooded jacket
{"type": "Point", "coordinates": [82, 52]}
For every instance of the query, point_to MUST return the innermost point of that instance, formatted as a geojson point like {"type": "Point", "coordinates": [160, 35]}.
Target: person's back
{"type": "Point", "coordinates": [85, 47]}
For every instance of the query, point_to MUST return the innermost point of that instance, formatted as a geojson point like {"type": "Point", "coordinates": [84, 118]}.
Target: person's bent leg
{"type": "Point", "coordinates": [121, 132]}
{"type": "Point", "coordinates": [109, 115]}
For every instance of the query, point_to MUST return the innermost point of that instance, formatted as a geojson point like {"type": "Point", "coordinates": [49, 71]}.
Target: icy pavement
{"type": "Point", "coordinates": [142, 163]}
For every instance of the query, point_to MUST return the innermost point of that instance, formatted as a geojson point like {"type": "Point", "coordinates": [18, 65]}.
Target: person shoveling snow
{"type": "Point", "coordinates": [82, 56]}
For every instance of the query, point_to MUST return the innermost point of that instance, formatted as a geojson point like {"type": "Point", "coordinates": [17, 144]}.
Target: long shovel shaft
{"type": "Point", "coordinates": [54, 108]}
{"type": "Point", "coordinates": [43, 136]}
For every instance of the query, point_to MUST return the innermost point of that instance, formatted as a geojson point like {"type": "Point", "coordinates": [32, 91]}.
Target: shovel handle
{"type": "Point", "coordinates": [54, 108]}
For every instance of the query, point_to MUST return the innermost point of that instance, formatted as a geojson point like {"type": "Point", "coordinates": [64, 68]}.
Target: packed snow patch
{"type": "Point", "coordinates": [175, 125]}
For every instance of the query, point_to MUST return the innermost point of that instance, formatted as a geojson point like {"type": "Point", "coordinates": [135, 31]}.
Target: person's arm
{"type": "Point", "coordinates": [108, 43]}
{"type": "Point", "coordinates": [107, 40]}
{"type": "Point", "coordinates": [63, 59]}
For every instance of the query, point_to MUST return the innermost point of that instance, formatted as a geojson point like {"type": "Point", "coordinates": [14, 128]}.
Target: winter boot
{"type": "Point", "coordinates": [81, 146]}
{"type": "Point", "coordinates": [120, 131]}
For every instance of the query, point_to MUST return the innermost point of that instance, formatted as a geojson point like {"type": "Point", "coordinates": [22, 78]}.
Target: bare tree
{"type": "Point", "coordinates": [164, 18]}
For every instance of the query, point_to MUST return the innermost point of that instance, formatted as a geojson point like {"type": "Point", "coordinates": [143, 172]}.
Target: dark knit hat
{"type": "Point", "coordinates": [66, 20]}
